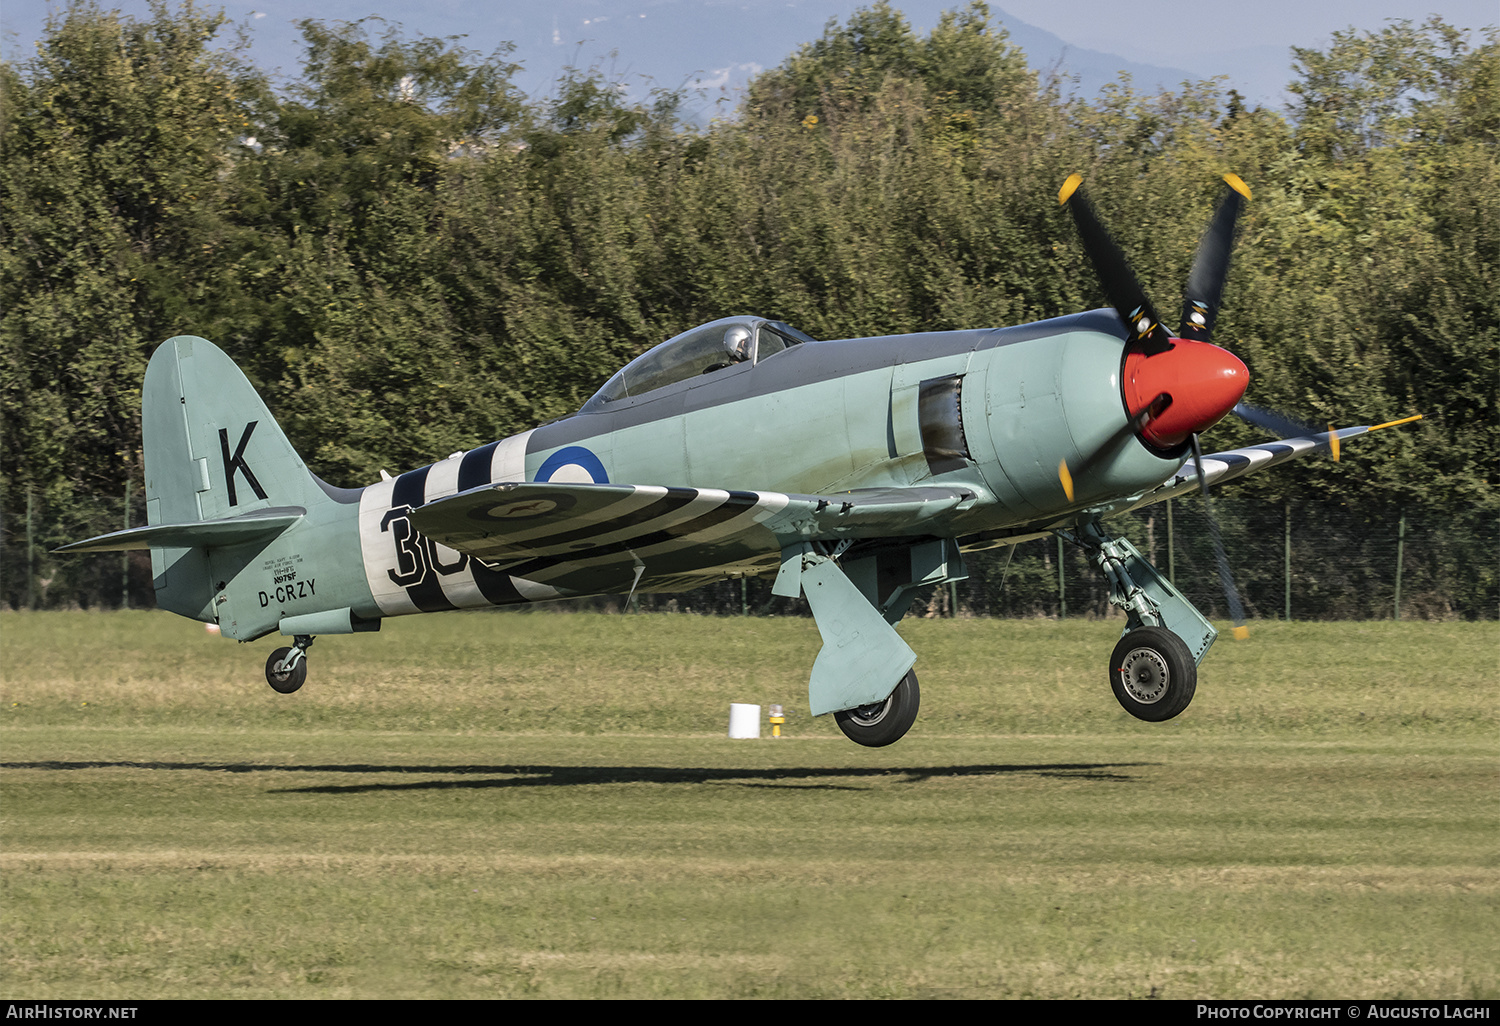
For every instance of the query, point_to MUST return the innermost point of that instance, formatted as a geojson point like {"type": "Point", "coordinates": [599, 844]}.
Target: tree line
{"type": "Point", "coordinates": [409, 258]}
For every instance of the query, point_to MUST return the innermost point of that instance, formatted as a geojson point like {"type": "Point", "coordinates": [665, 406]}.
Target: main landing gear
{"type": "Point", "coordinates": [1153, 670]}
{"type": "Point", "coordinates": [856, 606]}
{"type": "Point", "coordinates": [286, 669]}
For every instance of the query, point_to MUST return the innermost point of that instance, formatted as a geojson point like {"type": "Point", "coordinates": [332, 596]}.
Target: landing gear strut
{"type": "Point", "coordinates": [286, 669]}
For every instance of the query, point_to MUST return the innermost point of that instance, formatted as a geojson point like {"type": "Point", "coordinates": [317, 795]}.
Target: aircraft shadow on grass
{"type": "Point", "coordinates": [573, 776]}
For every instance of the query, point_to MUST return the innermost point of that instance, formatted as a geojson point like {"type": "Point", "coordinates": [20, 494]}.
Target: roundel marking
{"type": "Point", "coordinates": [520, 509]}
{"type": "Point", "coordinates": [572, 464]}
{"type": "Point", "coordinates": [524, 508]}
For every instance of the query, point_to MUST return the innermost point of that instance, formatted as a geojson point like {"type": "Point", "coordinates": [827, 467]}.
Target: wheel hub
{"type": "Point", "coordinates": [869, 715]}
{"type": "Point", "coordinates": [1144, 675]}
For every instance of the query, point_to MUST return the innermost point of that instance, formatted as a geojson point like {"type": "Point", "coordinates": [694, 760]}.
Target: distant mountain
{"type": "Point", "coordinates": [1092, 69]}
{"type": "Point", "coordinates": [1259, 73]}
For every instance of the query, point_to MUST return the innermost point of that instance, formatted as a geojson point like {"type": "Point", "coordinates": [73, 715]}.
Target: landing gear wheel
{"type": "Point", "coordinates": [1152, 673]}
{"type": "Point", "coordinates": [883, 723]}
{"type": "Point", "coordinates": [285, 681]}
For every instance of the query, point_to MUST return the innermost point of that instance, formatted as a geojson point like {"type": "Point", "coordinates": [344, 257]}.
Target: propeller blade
{"type": "Point", "coordinates": [1279, 424]}
{"type": "Point", "coordinates": [1146, 415]}
{"type": "Point", "coordinates": [1119, 281]}
{"type": "Point", "coordinates": [1226, 579]}
{"type": "Point", "coordinates": [1205, 287]}
{"type": "Point", "coordinates": [1285, 427]}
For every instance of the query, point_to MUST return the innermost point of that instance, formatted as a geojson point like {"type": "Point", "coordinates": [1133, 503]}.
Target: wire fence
{"type": "Point", "coordinates": [1289, 560]}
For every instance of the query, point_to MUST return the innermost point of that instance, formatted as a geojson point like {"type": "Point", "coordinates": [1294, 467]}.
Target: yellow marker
{"type": "Point", "coordinates": [1241, 633]}
{"type": "Point", "coordinates": [1069, 187]}
{"type": "Point", "coordinates": [1237, 184]}
{"type": "Point", "coordinates": [1066, 479]}
{"type": "Point", "coordinates": [777, 719]}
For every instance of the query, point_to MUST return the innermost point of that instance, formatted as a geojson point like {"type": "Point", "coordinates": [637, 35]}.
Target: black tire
{"type": "Point", "coordinates": [1153, 674]}
{"type": "Point", "coordinates": [883, 723]}
{"type": "Point", "coordinates": [290, 680]}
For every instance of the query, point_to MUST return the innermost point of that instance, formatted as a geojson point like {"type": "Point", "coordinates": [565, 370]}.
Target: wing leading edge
{"type": "Point", "coordinates": [1226, 466]}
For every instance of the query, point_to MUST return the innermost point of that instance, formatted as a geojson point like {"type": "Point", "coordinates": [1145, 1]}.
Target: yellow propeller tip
{"type": "Point", "coordinates": [1066, 479]}
{"type": "Point", "coordinates": [1237, 183]}
{"type": "Point", "coordinates": [1241, 633]}
{"type": "Point", "coordinates": [1333, 443]}
{"type": "Point", "coordinates": [1069, 187]}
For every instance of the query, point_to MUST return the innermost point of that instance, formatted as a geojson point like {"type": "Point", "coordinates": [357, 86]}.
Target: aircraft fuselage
{"type": "Point", "coordinates": [991, 411]}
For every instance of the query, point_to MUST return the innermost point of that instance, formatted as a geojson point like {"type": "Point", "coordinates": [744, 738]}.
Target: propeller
{"type": "Point", "coordinates": [1205, 287]}
{"type": "Point", "coordinates": [1221, 558]}
{"type": "Point", "coordinates": [1120, 285]}
{"type": "Point", "coordinates": [1173, 387]}
{"type": "Point", "coordinates": [1148, 413]}
{"type": "Point", "coordinates": [1278, 424]}
{"type": "Point", "coordinates": [1204, 381]}
{"type": "Point", "coordinates": [1282, 426]}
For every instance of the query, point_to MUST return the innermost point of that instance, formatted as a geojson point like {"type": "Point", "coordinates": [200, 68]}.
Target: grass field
{"type": "Point", "coordinates": [533, 804]}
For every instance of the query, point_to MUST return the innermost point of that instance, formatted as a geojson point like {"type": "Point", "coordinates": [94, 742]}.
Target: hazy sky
{"type": "Point", "coordinates": [686, 37]}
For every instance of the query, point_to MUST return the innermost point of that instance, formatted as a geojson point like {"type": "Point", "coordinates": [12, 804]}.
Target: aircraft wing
{"type": "Point", "coordinates": [521, 521]}
{"type": "Point", "coordinates": [1226, 466]}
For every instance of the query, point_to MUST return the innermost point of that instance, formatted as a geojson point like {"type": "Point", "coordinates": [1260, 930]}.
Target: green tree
{"type": "Point", "coordinates": [409, 260]}
{"type": "Point", "coordinates": [114, 149]}
{"type": "Point", "coordinates": [341, 301]}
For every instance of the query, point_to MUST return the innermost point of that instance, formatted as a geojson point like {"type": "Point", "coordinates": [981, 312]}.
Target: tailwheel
{"type": "Point", "coordinates": [1153, 674]}
{"type": "Point", "coordinates": [883, 723]}
{"type": "Point", "coordinates": [286, 669]}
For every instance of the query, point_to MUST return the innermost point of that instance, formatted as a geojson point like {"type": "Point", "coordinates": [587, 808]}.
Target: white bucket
{"type": "Point", "coordinates": [744, 720]}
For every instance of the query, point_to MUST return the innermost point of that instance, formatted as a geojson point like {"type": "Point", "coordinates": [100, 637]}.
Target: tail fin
{"type": "Point", "coordinates": [213, 452]}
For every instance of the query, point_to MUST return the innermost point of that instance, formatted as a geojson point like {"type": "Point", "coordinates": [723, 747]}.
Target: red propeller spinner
{"type": "Point", "coordinates": [1203, 381]}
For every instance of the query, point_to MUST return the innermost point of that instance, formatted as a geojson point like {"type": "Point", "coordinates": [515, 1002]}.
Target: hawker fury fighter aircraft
{"type": "Point", "coordinates": [855, 472]}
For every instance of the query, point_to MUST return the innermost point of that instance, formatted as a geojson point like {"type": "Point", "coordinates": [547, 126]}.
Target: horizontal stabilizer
{"type": "Point", "coordinates": [263, 524]}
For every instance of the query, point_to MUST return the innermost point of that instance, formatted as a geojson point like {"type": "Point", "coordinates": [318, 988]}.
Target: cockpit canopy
{"type": "Point", "coordinates": [710, 347]}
